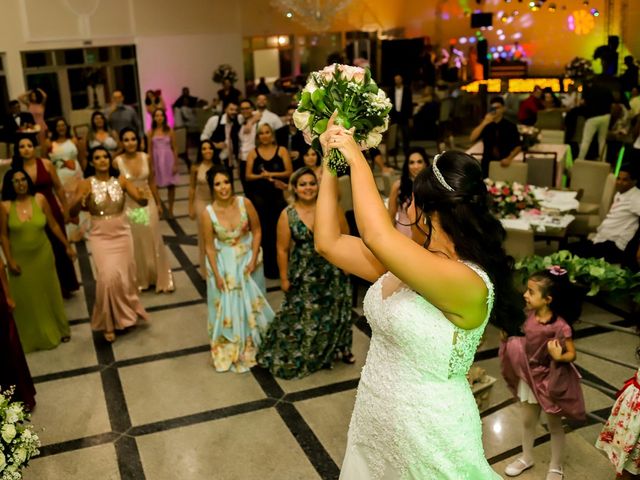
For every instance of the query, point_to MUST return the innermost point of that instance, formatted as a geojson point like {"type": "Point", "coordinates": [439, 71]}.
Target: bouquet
{"type": "Point", "coordinates": [509, 199]}
{"type": "Point", "coordinates": [18, 443]}
{"type": "Point", "coordinates": [225, 72]}
{"type": "Point", "coordinates": [360, 104]}
{"type": "Point", "coordinates": [578, 68]}
{"type": "Point", "coordinates": [529, 136]}
{"type": "Point", "coordinates": [138, 216]}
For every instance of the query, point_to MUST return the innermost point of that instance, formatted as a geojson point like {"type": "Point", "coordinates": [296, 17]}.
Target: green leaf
{"type": "Point", "coordinates": [321, 126]}
{"type": "Point", "coordinates": [317, 97]}
{"type": "Point", "coordinates": [305, 100]}
{"type": "Point", "coordinates": [343, 121]}
{"type": "Point", "coordinates": [367, 76]}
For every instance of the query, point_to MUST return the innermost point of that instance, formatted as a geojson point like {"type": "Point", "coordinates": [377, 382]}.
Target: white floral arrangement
{"type": "Point", "coordinates": [225, 72]}
{"type": "Point", "coordinates": [578, 68]}
{"type": "Point", "coordinates": [359, 102]}
{"type": "Point", "coordinates": [18, 442]}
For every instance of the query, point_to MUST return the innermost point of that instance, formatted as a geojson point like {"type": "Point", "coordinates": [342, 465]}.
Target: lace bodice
{"type": "Point", "coordinates": [415, 416]}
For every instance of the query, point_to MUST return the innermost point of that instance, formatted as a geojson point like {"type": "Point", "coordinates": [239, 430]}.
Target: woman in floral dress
{"type": "Point", "coordinates": [238, 311]}
{"type": "Point", "coordinates": [314, 324]}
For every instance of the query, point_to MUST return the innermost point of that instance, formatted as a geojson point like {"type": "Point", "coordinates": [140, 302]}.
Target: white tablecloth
{"type": "Point", "coordinates": [563, 201]}
{"type": "Point", "coordinates": [562, 151]}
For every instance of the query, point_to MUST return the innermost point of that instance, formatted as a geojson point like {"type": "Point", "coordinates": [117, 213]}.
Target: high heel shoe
{"type": "Point", "coordinates": [110, 337]}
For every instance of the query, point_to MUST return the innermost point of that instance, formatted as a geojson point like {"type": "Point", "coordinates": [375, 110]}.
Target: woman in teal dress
{"type": "Point", "coordinates": [238, 311]}
{"type": "Point", "coordinates": [39, 313]}
{"type": "Point", "coordinates": [313, 325]}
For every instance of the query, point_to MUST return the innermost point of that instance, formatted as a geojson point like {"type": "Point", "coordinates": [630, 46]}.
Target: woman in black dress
{"type": "Point", "coordinates": [268, 170]}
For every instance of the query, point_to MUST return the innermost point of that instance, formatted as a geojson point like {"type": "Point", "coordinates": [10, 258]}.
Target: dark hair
{"type": "Point", "coordinates": [165, 125]}
{"type": "Point", "coordinates": [127, 130]}
{"type": "Point", "coordinates": [9, 191]}
{"type": "Point", "coordinates": [17, 161]}
{"type": "Point", "coordinates": [95, 114]}
{"type": "Point", "coordinates": [497, 99]}
{"type": "Point", "coordinates": [556, 101]}
{"type": "Point", "coordinates": [199, 155]}
{"type": "Point", "coordinates": [406, 184]}
{"type": "Point", "coordinates": [13, 103]}
{"type": "Point", "coordinates": [631, 169]}
{"type": "Point", "coordinates": [53, 124]}
{"type": "Point", "coordinates": [477, 235]}
{"type": "Point", "coordinates": [38, 94]}
{"type": "Point", "coordinates": [295, 176]}
{"type": "Point", "coordinates": [90, 170]}
{"type": "Point", "coordinates": [318, 155]}
{"type": "Point", "coordinates": [566, 301]}
{"type": "Point", "coordinates": [215, 170]}
{"type": "Point", "coordinates": [246, 100]}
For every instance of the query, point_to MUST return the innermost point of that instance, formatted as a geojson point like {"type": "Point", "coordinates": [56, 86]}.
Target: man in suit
{"type": "Point", "coordinates": [15, 121]}
{"type": "Point", "coordinates": [402, 111]}
{"type": "Point", "coordinates": [291, 138]}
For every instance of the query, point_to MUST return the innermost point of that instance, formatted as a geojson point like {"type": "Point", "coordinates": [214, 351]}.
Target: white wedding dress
{"type": "Point", "coordinates": [415, 416]}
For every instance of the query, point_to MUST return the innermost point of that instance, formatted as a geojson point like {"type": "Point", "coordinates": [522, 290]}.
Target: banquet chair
{"type": "Point", "coordinates": [550, 120]}
{"type": "Point", "coordinates": [516, 172]}
{"type": "Point", "coordinates": [596, 186]}
{"type": "Point", "coordinates": [4, 150]}
{"type": "Point", "coordinates": [542, 168]}
{"type": "Point", "coordinates": [519, 243]}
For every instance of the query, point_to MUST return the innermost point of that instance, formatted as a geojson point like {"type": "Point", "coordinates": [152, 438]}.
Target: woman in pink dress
{"type": "Point", "coordinates": [35, 101]}
{"type": "Point", "coordinates": [402, 189]}
{"type": "Point", "coordinates": [102, 194]}
{"type": "Point", "coordinates": [538, 366]}
{"type": "Point", "coordinates": [162, 150]}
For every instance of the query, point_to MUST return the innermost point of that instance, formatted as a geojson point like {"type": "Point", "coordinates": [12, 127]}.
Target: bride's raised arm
{"type": "Point", "coordinates": [449, 285]}
{"type": "Point", "coordinates": [344, 251]}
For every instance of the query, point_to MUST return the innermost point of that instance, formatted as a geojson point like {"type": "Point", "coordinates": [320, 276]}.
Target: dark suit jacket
{"type": "Point", "coordinates": [406, 107]}
{"type": "Point", "coordinates": [297, 140]}
{"type": "Point", "coordinates": [9, 127]}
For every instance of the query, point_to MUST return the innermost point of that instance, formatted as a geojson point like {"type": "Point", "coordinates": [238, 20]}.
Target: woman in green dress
{"type": "Point", "coordinates": [313, 326]}
{"type": "Point", "coordinates": [39, 314]}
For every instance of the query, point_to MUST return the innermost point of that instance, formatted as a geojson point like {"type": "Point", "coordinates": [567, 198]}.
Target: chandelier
{"type": "Point", "coordinates": [316, 15]}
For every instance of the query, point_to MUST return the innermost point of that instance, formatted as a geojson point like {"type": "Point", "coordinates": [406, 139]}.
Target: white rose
{"type": "Point", "coordinates": [3, 461]}
{"type": "Point", "coordinates": [301, 119]}
{"type": "Point", "coordinates": [310, 87]}
{"type": "Point", "coordinates": [373, 139]}
{"type": "Point", "coordinates": [20, 456]}
{"type": "Point", "coordinates": [8, 432]}
{"type": "Point", "coordinates": [13, 413]}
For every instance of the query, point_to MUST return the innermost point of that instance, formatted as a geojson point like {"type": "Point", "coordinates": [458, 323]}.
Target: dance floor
{"type": "Point", "coordinates": [151, 405]}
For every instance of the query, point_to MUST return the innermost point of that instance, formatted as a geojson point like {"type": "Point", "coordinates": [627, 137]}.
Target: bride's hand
{"type": "Point", "coordinates": [343, 141]}
{"type": "Point", "coordinates": [332, 129]}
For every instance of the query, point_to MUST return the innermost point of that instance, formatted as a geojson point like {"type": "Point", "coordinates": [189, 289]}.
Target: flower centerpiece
{"type": "Point", "coordinates": [225, 72]}
{"type": "Point", "coordinates": [529, 136]}
{"type": "Point", "coordinates": [593, 274]}
{"type": "Point", "coordinates": [360, 105]}
{"type": "Point", "coordinates": [509, 199]}
{"type": "Point", "coordinates": [578, 68]}
{"type": "Point", "coordinates": [18, 442]}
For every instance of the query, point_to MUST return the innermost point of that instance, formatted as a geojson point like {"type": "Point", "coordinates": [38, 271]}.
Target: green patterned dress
{"type": "Point", "coordinates": [314, 321]}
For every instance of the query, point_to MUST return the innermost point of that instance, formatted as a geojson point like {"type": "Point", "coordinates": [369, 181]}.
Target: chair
{"type": "Point", "coordinates": [550, 120]}
{"type": "Point", "coordinates": [516, 172]}
{"type": "Point", "coordinates": [542, 168]}
{"type": "Point", "coordinates": [597, 186]}
{"type": "Point", "coordinates": [181, 142]}
{"type": "Point", "coordinates": [4, 150]}
{"type": "Point", "coordinates": [81, 131]}
{"type": "Point", "coordinates": [519, 243]}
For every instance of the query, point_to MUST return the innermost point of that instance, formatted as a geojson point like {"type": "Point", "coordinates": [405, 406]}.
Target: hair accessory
{"type": "Point", "coordinates": [557, 270]}
{"type": "Point", "coordinates": [436, 172]}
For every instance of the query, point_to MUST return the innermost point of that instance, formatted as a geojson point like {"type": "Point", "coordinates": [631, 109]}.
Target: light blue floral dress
{"type": "Point", "coordinates": [239, 315]}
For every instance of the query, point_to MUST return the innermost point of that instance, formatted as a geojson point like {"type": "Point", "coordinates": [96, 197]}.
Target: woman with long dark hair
{"type": "Point", "coordinates": [268, 170]}
{"type": "Point", "coordinates": [415, 415]}
{"type": "Point", "coordinates": [102, 194]}
{"type": "Point", "coordinates": [313, 325]}
{"type": "Point", "coordinates": [152, 258]}
{"type": "Point", "coordinates": [200, 194]}
{"type": "Point", "coordinates": [45, 179]}
{"type": "Point", "coordinates": [162, 150]}
{"type": "Point", "coordinates": [62, 148]}
{"type": "Point", "coordinates": [100, 135]}
{"type": "Point", "coordinates": [39, 314]}
{"type": "Point", "coordinates": [36, 101]}
{"type": "Point", "coordinates": [402, 189]}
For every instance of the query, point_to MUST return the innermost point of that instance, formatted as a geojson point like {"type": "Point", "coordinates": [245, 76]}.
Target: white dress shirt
{"type": "Point", "coordinates": [399, 91]}
{"type": "Point", "coordinates": [621, 223]}
{"type": "Point", "coordinates": [272, 119]}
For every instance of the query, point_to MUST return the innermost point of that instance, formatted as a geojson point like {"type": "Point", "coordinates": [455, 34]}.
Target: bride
{"type": "Point", "coordinates": [415, 416]}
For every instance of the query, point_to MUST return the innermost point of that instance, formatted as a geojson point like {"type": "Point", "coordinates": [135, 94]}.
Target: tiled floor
{"type": "Point", "coordinates": [151, 406]}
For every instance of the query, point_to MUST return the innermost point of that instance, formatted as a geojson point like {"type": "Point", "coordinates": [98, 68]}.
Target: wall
{"type": "Point", "coordinates": [178, 43]}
